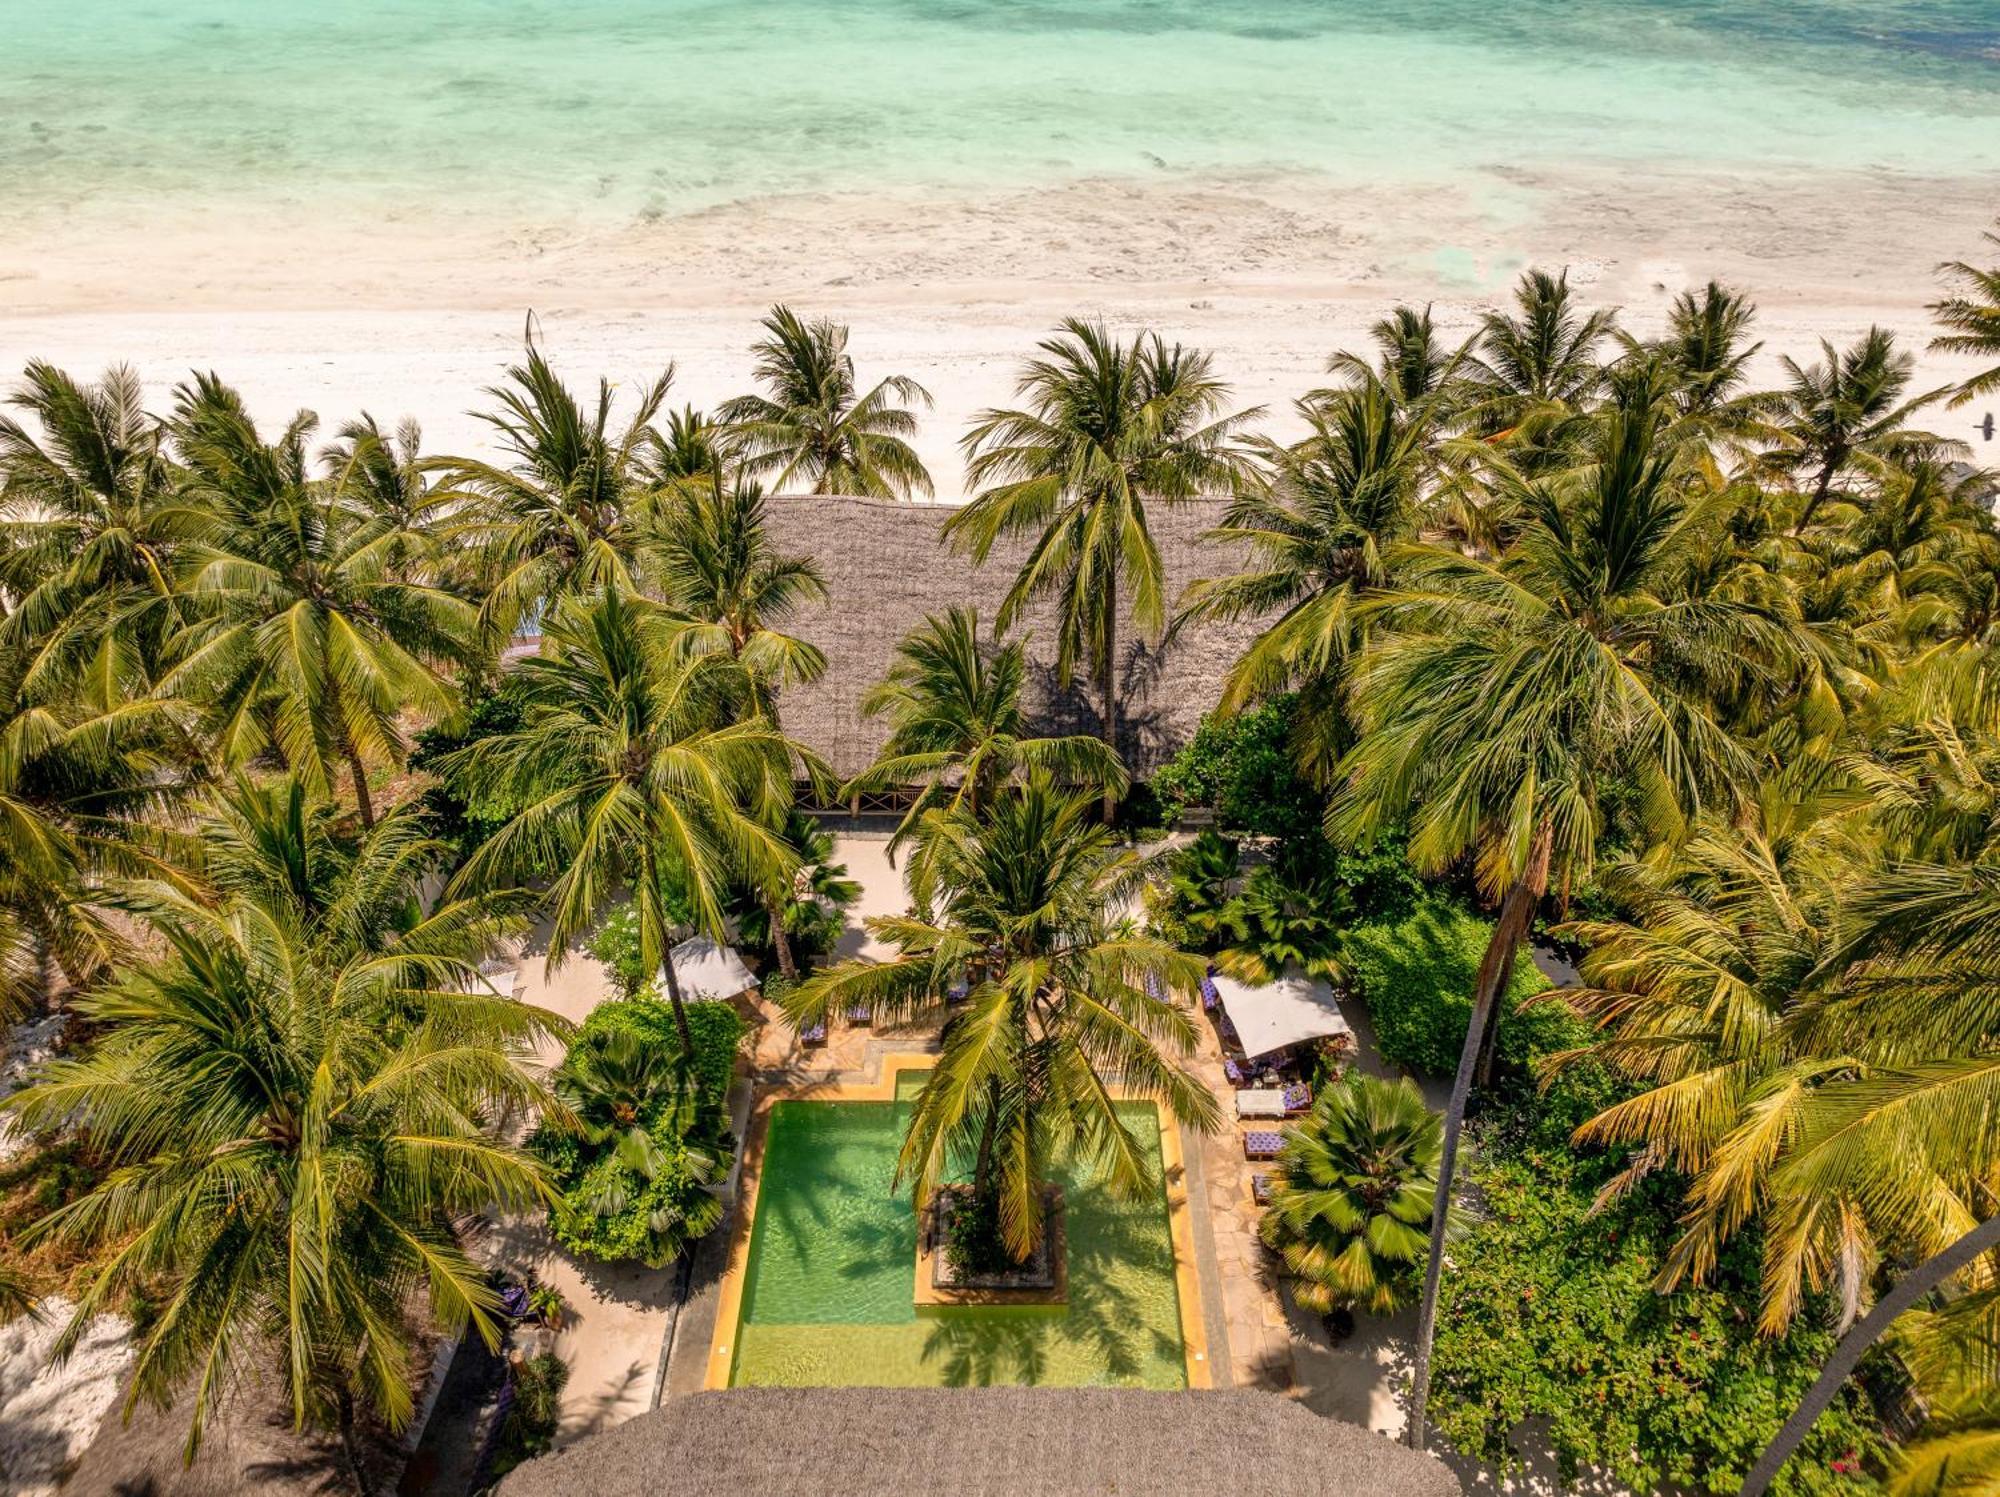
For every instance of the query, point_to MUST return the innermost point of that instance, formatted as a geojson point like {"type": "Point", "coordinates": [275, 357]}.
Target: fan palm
{"type": "Point", "coordinates": [1108, 427]}
{"type": "Point", "coordinates": [1319, 538]}
{"type": "Point", "coordinates": [301, 638]}
{"type": "Point", "coordinates": [1848, 410]}
{"type": "Point", "coordinates": [811, 427]}
{"type": "Point", "coordinates": [630, 759]}
{"type": "Point", "coordinates": [296, 1104]}
{"type": "Point", "coordinates": [623, 1090]}
{"type": "Point", "coordinates": [1025, 899]}
{"type": "Point", "coordinates": [957, 726]}
{"type": "Point", "coordinates": [1352, 1196]}
{"type": "Point", "coordinates": [558, 516]}
{"type": "Point", "coordinates": [1506, 696]}
{"type": "Point", "coordinates": [88, 529]}
{"type": "Point", "coordinates": [1972, 312]}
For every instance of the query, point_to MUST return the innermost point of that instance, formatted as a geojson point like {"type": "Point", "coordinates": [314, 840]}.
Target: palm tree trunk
{"type": "Point", "coordinates": [679, 1006]}
{"type": "Point", "coordinates": [1820, 490]}
{"type": "Point", "coordinates": [1110, 668]}
{"type": "Point", "coordinates": [779, 939]}
{"type": "Point", "coordinates": [1516, 911]}
{"type": "Point", "coordinates": [350, 1448]}
{"type": "Point", "coordinates": [653, 947]}
{"type": "Point", "coordinates": [1912, 1287]}
{"type": "Point", "coordinates": [1489, 1044]}
{"type": "Point", "coordinates": [361, 797]}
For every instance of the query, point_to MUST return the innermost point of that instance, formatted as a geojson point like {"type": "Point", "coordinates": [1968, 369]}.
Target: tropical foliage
{"type": "Point", "coordinates": [1555, 628]}
{"type": "Point", "coordinates": [1062, 998]}
{"type": "Point", "coordinates": [1351, 1196]}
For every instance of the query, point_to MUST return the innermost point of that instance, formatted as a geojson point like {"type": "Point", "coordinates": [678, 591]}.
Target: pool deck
{"type": "Point", "coordinates": [880, 1086]}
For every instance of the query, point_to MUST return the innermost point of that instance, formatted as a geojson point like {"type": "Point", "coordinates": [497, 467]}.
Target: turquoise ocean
{"type": "Point", "coordinates": [632, 109]}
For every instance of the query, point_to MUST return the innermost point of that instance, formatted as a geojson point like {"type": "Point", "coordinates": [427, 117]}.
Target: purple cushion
{"type": "Point", "coordinates": [1260, 1188]}
{"type": "Point", "coordinates": [1263, 1143]}
{"type": "Point", "coordinates": [1232, 1070]}
{"type": "Point", "coordinates": [1298, 1097]}
{"type": "Point", "coordinates": [813, 1036]}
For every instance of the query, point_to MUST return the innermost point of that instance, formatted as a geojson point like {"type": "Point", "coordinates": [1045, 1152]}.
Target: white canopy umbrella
{"type": "Point", "coordinates": [1270, 1016]}
{"type": "Point", "coordinates": [707, 970]}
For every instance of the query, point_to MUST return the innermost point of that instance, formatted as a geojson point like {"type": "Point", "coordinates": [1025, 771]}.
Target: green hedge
{"type": "Point", "coordinates": [1416, 974]}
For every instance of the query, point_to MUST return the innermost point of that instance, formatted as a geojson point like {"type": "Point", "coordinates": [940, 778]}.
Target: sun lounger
{"type": "Point", "coordinates": [1260, 1102]}
{"type": "Point", "coordinates": [1233, 1071]}
{"type": "Point", "coordinates": [1210, 996]}
{"type": "Point", "coordinates": [814, 1036]}
{"type": "Point", "coordinates": [1262, 1143]}
{"type": "Point", "coordinates": [859, 1014]}
{"type": "Point", "coordinates": [1260, 1187]}
{"type": "Point", "coordinates": [1298, 1098]}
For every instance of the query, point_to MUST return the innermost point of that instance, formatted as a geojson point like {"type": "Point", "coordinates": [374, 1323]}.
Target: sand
{"type": "Point", "coordinates": [413, 312]}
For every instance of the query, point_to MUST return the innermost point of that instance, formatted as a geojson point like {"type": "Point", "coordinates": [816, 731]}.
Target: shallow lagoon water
{"type": "Point", "coordinates": [638, 108]}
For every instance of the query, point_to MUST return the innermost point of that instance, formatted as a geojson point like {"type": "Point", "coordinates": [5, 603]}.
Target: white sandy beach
{"type": "Point", "coordinates": [413, 313]}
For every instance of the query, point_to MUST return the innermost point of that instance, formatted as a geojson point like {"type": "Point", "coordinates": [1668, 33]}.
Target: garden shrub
{"type": "Point", "coordinates": [1416, 974]}
{"type": "Point", "coordinates": [1243, 769]}
{"type": "Point", "coordinates": [1549, 1317]}
{"type": "Point", "coordinates": [528, 1425]}
{"type": "Point", "coordinates": [612, 1209]}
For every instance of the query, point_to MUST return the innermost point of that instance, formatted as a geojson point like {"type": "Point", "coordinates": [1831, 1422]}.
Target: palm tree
{"type": "Point", "coordinates": [387, 482]}
{"type": "Point", "coordinates": [1708, 348]}
{"type": "Point", "coordinates": [1848, 410]}
{"type": "Point", "coordinates": [88, 530]}
{"type": "Point", "coordinates": [630, 760]}
{"type": "Point", "coordinates": [1411, 361]}
{"type": "Point", "coordinates": [1506, 696]}
{"type": "Point", "coordinates": [1024, 900]}
{"type": "Point", "coordinates": [1972, 312]}
{"type": "Point", "coordinates": [716, 566]}
{"type": "Point", "coordinates": [1107, 428]}
{"type": "Point", "coordinates": [1319, 538]}
{"type": "Point", "coordinates": [713, 560]}
{"type": "Point", "coordinates": [301, 638]}
{"type": "Point", "coordinates": [1539, 366]}
{"type": "Point", "coordinates": [296, 1099]}
{"type": "Point", "coordinates": [812, 427]}
{"type": "Point", "coordinates": [557, 517]}
{"type": "Point", "coordinates": [957, 727]}
{"type": "Point", "coordinates": [78, 790]}
{"type": "Point", "coordinates": [1352, 1196]}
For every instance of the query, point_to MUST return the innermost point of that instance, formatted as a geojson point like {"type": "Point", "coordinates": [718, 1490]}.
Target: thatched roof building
{"type": "Point", "coordinates": [885, 568]}
{"type": "Point", "coordinates": [980, 1442]}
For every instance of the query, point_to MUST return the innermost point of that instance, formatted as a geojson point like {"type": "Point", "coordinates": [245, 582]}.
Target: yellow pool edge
{"type": "Point", "coordinates": [729, 1314]}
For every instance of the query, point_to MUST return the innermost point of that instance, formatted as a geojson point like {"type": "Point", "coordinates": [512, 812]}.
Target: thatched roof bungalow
{"type": "Point", "coordinates": [981, 1442]}
{"type": "Point", "coordinates": [885, 568]}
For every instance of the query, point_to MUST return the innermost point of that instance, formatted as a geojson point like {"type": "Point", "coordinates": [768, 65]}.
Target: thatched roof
{"type": "Point", "coordinates": [1007, 1442]}
{"type": "Point", "coordinates": [885, 569]}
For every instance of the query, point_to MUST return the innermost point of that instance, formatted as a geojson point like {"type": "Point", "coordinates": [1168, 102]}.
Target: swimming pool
{"type": "Point", "coordinates": [826, 1288]}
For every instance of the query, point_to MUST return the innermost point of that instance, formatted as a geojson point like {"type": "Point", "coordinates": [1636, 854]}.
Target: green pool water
{"type": "Point", "coordinates": [832, 1273]}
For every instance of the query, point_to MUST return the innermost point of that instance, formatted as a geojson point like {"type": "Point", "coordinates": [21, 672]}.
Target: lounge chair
{"type": "Point", "coordinates": [1298, 1097]}
{"type": "Point", "coordinates": [860, 1014]}
{"type": "Point", "coordinates": [1260, 1187]}
{"type": "Point", "coordinates": [1262, 1143]}
{"type": "Point", "coordinates": [1211, 997]}
{"type": "Point", "coordinates": [813, 1037]}
{"type": "Point", "coordinates": [1233, 1071]}
{"type": "Point", "coordinates": [1260, 1102]}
